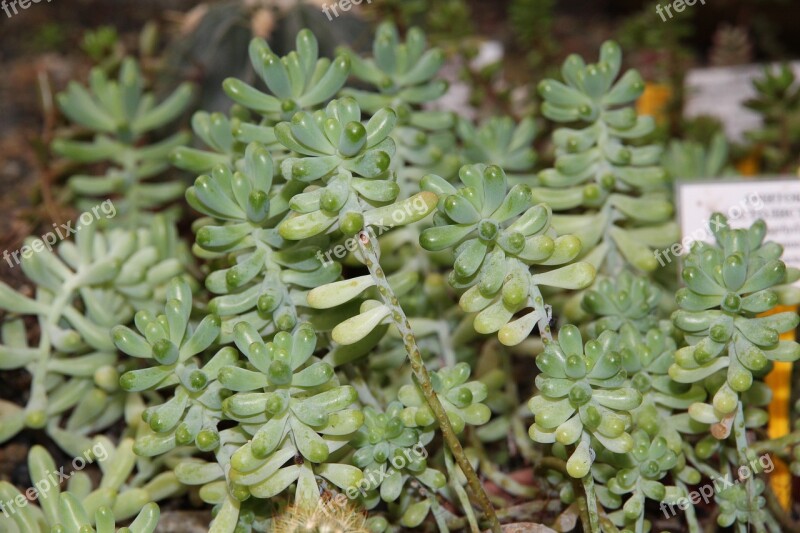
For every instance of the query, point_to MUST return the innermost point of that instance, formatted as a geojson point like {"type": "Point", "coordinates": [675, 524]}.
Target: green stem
{"type": "Point", "coordinates": [777, 445]}
{"type": "Point", "coordinates": [740, 435]}
{"type": "Point", "coordinates": [691, 517]}
{"type": "Point", "coordinates": [460, 492]}
{"type": "Point", "coordinates": [591, 502]}
{"type": "Point", "coordinates": [369, 246]}
{"type": "Point", "coordinates": [544, 314]}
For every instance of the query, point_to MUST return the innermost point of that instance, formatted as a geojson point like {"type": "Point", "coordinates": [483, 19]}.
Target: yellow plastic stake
{"type": "Point", "coordinates": [779, 380]}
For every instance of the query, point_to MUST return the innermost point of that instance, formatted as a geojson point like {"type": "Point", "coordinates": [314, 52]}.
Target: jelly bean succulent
{"type": "Point", "coordinates": [120, 113]}
{"type": "Point", "coordinates": [404, 76]}
{"type": "Point", "coordinates": [503, 247]}
{"type": "Point", "coordinates": [583, 396]}
{"type": "Point", "coordinates": [79, 507]}
{"type": "Point", "coordinates": [385, 444]}
{"type": "Point", "coordinates": [728, 284]}
{"type": "Point", "coordinates": [621, 187]}
{"type": "Point", "coordinates": [350, 315]}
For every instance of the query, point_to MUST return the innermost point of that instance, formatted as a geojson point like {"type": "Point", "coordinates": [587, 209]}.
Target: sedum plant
{"type": "Point", "coordinates": [504, 245]}
{"type": "Point", "coordinates": [120, 113]}
{"type": "Point", "coordinates": [369, 273]}
{"type": "Point", "coordinates": [620, 187]}
{"type": "Point", "coordinates": [79, 507]}
{"type": "Point", "coordinates": [728, 284]}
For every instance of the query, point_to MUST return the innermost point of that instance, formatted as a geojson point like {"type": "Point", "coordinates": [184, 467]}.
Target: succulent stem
{"type": "Point", "coordinates": [777, 445]}
{"type": "Point", "coordinates": [368, 246]}
{"type": "Point", "coordinates": [544, 312]}
{"type": "Point", "coordinates": [691, 517]}
{"type": "Point", "coordinates": [591, 502]}
{"type": "Point", "coordinates": [740, 434]}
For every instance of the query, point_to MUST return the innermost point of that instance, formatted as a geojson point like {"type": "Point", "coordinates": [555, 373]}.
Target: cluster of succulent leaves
{"type": "Point", "coordinates": [345, 230]}
{"type": "Point", "coordinates": [777, 100]}
{"type": "Point", "coordinates": [621, 189]}
{"type": "Point", "coordinates": [80, 507]}
{"type": "Point", "coordinates": [119, 114]}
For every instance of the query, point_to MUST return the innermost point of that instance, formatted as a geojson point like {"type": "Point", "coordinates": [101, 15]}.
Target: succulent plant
{"type": "Point", "coordinates": [461, 400]}
{"type": "Point", "coordinates": [299, 81]}
{"type": "Point", "coordinates": [778, 102]}
{"type": "Point", "coordinates": [83, 290]}
{"type": "Point", "coordinates": [498, 236]}
{"type": "Point", "coordinates": [641, 474]}
{"type": "Point", "coordinates": [384, 444]}
{"type": "Point", "coordinates": [628, 300]}
{"type": "Point", "coordinates": [260, 273]}
{"type": "Point", "coordinates": [691, 160]}
{"type": "Point", "coordinates": [620, 187]}
{"type": "Point", "coordinates": [172, 341]}
{"type": "Point", "coordinates": [120, 113]}
{"type": "Point", "coordinates": [403, 73]}
{"type": "Point", "coordinates": [499, 141]}
{"type": "Point", "coordinates": [80, 508]}
{"type": "Point", "coordinates": [582, 394]}
{"type": "Point", "coordinates": [738, 505]}
{"type": "Point", "coordinates": [325, 351]}
{"type": "Point", "coordinates": [728, 284]}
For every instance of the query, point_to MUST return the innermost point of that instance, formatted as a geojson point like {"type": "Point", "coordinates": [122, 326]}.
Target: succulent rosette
{"type": "Point", "coordinates": [460, 398]}
{"type": "Point", "coordinates": [728, 285]}
{"type": "Point", "coordinates": [626, 299]}
{"type": "Point", "coordinates": [640, 474]}
{"type": "Point", "coordinates": [300, 80]}
{"type": "Point", "coordinates": [385, 445]}
{"type": "Point", "coordinates": [583, 391]}
{"type": "Point", "coordinates": [404, 77]}
{"type": "Point", "coordinates": [497, 235]}
{"type": "Point", "coordinates": [739, 504]}
{"type": "Point", "coordinates": [120, 112]}
{"type": "Point", "coordinates": [261, 274]}
{"type": "Point", "coordinates": [502, 142]}
{"type": "Point", "coordinates": [621, 186]}
{"type": "Point", "coordinates": [291, 403]}
{"type": "Point", "coordinates": [346, 164]}
{"type": "Point", "coordinates": [171, 340]}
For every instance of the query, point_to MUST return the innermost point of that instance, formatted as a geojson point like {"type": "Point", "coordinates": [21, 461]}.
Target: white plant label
{"type": "Point", "coordinates": [777, 201]}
